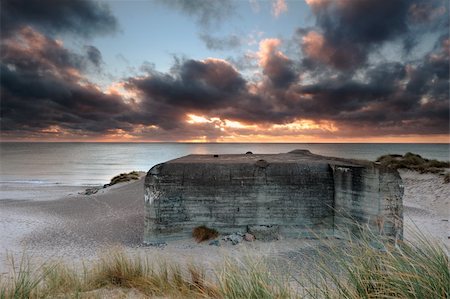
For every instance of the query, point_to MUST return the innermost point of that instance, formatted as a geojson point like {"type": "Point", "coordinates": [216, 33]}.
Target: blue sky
{"type": "Point", "coordinates": [152, 32]}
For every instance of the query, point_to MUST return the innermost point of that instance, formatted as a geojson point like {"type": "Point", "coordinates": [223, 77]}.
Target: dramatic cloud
{"type": "Point", "coordinates": [275, 65]}
{"type": "Point", "coordinates": [80, 17]}
{"type": "Point", "coordinates": [195, 86]}
{"type": "Point", "coordinates": [351, 29]}
{"type": "Point", "coordinates": [42, 87]}
{"type": "Point", "coordinates": [333, 90]}
{"type": "Point", "coordinates": [317, 49]}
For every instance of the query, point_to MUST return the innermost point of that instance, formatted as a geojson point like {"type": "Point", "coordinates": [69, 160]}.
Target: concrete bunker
{"type": "Point", "coordinates": [301, 194]}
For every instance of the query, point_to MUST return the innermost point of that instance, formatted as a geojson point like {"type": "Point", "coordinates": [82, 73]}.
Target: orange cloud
{"type": "Point", "coordinates": [276, 66]}
{"type": "Point", "coordinates": [316, 5]}
{"type": "Point", "coordinates": [225, 130]}
{"type": "Point", "coordinates": [39, 50]}
{"type": "Point", "coordinates": [267, 48]}
{"type": "Point", "coordinates": [279, 7]}
{"type": "Point", "coordinates": [314, 46]}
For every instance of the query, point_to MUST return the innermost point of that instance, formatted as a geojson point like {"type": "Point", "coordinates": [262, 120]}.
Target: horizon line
{"type": "Point", "coordinates": [217, 142]}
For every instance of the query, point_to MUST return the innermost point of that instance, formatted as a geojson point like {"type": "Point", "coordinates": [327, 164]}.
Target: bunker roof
{"type": "Point", "coordinates": [295, 156]}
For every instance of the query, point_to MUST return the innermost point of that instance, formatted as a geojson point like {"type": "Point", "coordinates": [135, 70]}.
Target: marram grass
{"type": "Point", "coordinates": [372, 267]}
{"type": "Point", "coordinates": [368, 268]}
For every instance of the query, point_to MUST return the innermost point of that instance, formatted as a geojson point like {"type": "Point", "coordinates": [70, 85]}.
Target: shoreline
{"type": "Point", "coordinates": [77, 227]}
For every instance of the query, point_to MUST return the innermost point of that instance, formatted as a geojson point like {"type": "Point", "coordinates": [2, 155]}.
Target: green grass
{"type": "Point", "coordinates": [357, 269]}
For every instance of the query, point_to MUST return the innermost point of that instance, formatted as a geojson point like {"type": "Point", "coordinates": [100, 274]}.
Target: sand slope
{"type": "Point", "coordinates": [79, 227]}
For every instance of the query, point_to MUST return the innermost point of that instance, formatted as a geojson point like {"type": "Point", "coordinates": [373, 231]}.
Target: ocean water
{"type": "Point", "coordinates": [84, 164]}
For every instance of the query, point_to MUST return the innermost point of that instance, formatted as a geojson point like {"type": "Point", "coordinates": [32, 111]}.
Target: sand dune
{"type": "Point", "coordinates": [77, 227]}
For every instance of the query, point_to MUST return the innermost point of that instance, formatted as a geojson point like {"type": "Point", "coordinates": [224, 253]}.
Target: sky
{"type": "Point", "coordinates": [225, 71]}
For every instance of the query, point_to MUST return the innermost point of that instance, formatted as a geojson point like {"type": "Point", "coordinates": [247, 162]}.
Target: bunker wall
{"type": "Point", "coordinates": [296, 197]}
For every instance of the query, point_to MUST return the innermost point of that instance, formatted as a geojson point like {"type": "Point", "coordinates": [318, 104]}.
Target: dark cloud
{"type": "Point", "coordinates": [41, 86]}
{"type": "Point", "coordinates": [388, 98]}
{"type": "Point", "coordinates": [378, 101]}
{"type": "Point", "coordinates": [195, 86]}
{"type": "Point", "coordinates": [31, 50]}
{"type": "Point", "coordinates": [216, 43]}
{"type": "Point", "coordinates": [275, 65]}
{"type": "Point", "coordinates": [94, 55]}
{"type": "Point", "coordinates": [205, 12]}
{"type": "Point", "coordinates": [349, 30]}
{"type": "Point", "coordinates": [80, 17]}
{"type": "Point", "coordinates": [44, 91]}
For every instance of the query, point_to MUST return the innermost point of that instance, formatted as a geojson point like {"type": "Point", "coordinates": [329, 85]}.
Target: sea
{"type": "Point", "coordinates": [92, 164]}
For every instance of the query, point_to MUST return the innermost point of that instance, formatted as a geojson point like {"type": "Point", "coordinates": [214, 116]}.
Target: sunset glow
{"type": "Point", "coordinates": [194, 71]}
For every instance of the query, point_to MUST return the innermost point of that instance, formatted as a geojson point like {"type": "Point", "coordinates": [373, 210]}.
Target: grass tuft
{"type": "Point", "coordinates": [203, 233]}
{"type": "Point", "coordinates": [362, 270]}
{"type": "Point", "coordinates": [366, 268]}
{"type": "Point", "coordinates": [447, 178]}
{"type": "Point", "coordinates": [413, 162]}
{"type": "Point", "coordinates": [117, 269]}
{"type": "Point", "coordinates": [24, 281]}
{"type": "Point", "coordinates": [124, 177]}
{"type": "Point", "coordinates": [252, 279]}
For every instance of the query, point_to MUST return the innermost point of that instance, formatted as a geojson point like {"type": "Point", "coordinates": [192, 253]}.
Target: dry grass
{"type": "Point", "coordinates": [251, 278]}
{"type": "Point", "coordinates": [367, 268]}
{"type": "Point", "coordinates": [203, 233]}
{"type": "Point", "coordinates": [447, 178]}
{"type": "Point", "coordinates": [413, 162]}
{"type": "Point", "coordinates": [124, 177]}
{"type": "Point", "coordinates": [377, 268]}
{"type": "Point", "coordinates": [113, 271]}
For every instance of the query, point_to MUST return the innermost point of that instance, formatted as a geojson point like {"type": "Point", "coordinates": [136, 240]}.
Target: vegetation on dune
{"type": "Point", "coordinates": [413, 162]}
{"type": "Point", "coordinates": [252, 278]}
{"type": "Point", "coordinates": [124, 177]}
{"type": "Point", "coordinates": [203, 233]}
{"type": "Point", "coordinates": [358, 270]}
{"type": "Point", "coordinates": [375, 268]}
{"type": "Point", "coordinates": [447, 178]}
{"type": "Point", "coordinates": [116, 271]}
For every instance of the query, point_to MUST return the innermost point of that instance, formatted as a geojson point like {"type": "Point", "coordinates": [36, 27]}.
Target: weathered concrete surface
{"type": "Point", "coordinates": [301, 194]}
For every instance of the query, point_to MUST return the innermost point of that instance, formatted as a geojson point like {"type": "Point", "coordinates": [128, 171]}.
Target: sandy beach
{"type": "Point", "coordinates": [61, 224]}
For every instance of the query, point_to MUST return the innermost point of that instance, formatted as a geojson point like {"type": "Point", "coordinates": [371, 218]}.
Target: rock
{"type": "Point", "coordinates": [234, 238]}
{"type": "Point", "coordinates": [156, 244]}
{"type": "Point", "coordinates": [90, 191]}
{"type": "Point", "coordinates": [265, 232]}
{"type": "Point", "coordinates": [249, 153]}
{"type": "Point", "coordinates": [249, 237]}
{"type": "Point", "coordinates": [214, 243]}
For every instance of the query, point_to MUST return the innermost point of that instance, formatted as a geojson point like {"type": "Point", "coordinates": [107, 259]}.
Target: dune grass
{"type": "Point", "coordinates": [374, 267]}
{"type": "Point", "coordinates": [447, 178]}
{"type": "Point", "coordinates": [251, 278]}
{"type": "Point", "coordinates": [124, 177]}
{"type": "Point", "coordinates": [413, 162]}
{"type": "Point", "coordinates": [366, 268]}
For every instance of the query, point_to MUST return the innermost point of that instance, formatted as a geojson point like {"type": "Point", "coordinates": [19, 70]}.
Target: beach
{"type": "Point", "coordinates": [65, 225]}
